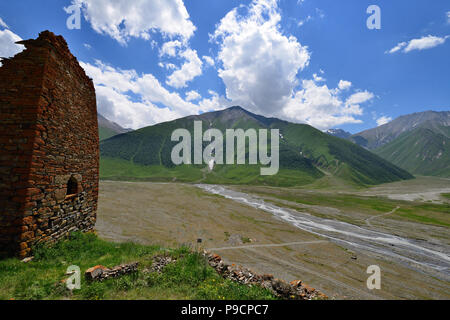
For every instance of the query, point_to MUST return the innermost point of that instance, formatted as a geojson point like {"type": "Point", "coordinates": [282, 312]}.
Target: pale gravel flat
{"type": "Point", "coordinates": [174, 214]}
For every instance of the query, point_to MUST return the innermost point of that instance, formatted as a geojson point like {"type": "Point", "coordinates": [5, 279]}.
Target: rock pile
{"type": "Point", "coordinates": [160, 262]}
{"type": "Point", "coordinates": [296, 290]}
{"type": "Point", "coordinates": [100, 273]}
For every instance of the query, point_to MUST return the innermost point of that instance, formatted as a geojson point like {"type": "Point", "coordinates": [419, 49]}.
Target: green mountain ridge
{"type": "Point", "coordinates": [424, 150]}
{"type": "Point", "coordinates": [379, 136]}
{"type": "Point", "coordinates": [306, 154]}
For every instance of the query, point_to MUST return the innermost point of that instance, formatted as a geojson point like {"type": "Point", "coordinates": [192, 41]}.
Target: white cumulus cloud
{"type": "Point", "coordinates": [115, 89]}
{"type": "Point", "coordinates": [426, 42]}
{"type": "Point", "coordinates": [323, 107]}
{"type": "Point", "coordinates": [318, 78]}
{"type": "Point", "coordinates": [209, 61]}
{"type": "Point", "coordinates": [359, 97]}
{"type": "Point", "coordinates": [259, 62]}
{"type": "Point", "coordinates": [8, 47]}
{"type": "Point", "coordinates": [191, 68]}
{"type": "Point", "coordinates": [398, 47]}
{"type": "Point", "coordinates": [169, 48]}
{"type": "Point", "coordinates": [192, 95]}
{"type": "Point", "coordinates": [261, 69]}
{"type": "Point", "coordinates": [344, 85]}
{"type": "Point", "coordinates": [135, 101]}
{"type": "Point", "coordinates": [123, 19]}
{"type": "Point", "coordinates": [383, 120]}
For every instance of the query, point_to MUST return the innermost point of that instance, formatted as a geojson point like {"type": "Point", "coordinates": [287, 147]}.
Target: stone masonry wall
{"type": "Point", "coordinates": [48, 136]}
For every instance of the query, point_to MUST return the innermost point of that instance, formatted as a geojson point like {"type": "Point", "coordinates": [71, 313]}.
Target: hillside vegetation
{"type": "Point", "coordinates": [422, 151]}
{"type": "Point", "coordinates": [105, 133]}
{"type": "Point", "coordinates": [305, 154]}
{"type": "Point", "coordinates": [190, 277]}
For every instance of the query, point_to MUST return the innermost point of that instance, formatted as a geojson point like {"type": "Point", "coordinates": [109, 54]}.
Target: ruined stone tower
{"type": "Point", "coordinates": [49, 146]}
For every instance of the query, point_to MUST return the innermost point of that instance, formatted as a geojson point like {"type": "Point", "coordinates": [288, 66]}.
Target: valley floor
{"type": "Point", "coordinates": [172, 214]}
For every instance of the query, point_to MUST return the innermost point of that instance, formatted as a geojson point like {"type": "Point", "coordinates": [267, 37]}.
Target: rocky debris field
{"type": "Point", "coordinates": [295, 290]}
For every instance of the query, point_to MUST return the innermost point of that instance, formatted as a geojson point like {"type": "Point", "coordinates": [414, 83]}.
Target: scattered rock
{"type": "Point", "coordinates": [160, 262]}
{"type": "Point", "coordinates": [296, 283]}
{"type": "Point", "coordinates": [267, 277]}
{"type": "Point", "coordinates": [95, 273]}
{"type": "Point", "coordinates": [308, 289]}
{"type": "Point", "coordinates": [100, 273]}
{"type": "Point", "coordinates": [26, 260]}
{"type": "Point", "coordinates": [235, 240]}
{"type": "Point", "coordinates": [296, 290]}
{"type": "Point", "coordinates": [283, 289]}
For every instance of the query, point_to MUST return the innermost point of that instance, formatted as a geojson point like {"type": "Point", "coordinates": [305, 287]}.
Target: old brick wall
{"type": "Point", "coordinates": [48, 135]}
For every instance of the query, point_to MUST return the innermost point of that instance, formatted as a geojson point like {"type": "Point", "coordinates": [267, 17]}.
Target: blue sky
{"type": "Point", "coordinates": [312, 61]}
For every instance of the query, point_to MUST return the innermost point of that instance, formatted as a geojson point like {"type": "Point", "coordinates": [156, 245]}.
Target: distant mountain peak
{"type": "Point", "coordinates": [233, 115]}
{"type": "Point", "coordinates": [236, 108]}
{"type": "Point", "coordinates": [339, 133]}
{"type": "Point", "coordinates": [108, 128]}
{"type": "Point", "coordinates": [379, 136]}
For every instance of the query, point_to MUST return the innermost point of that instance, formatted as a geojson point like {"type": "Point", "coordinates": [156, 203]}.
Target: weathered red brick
{"type": "Point", "coordinates": [47, 131]}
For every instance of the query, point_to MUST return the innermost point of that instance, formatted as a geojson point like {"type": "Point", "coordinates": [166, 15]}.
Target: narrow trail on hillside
{"type": "Point", "coordinates": [430, 258]}
{"type": "Point", "coordinates": [203, 178]}
{"type": "Point", "coordinates": [268, 245]}
{"type": "Point", "coordinates": [367, 221]}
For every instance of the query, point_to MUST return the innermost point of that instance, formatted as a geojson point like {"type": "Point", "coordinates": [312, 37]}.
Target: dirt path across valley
{"type": "Point", "coordinates": [367, 221]}
{"type": "Point", "coordinates": [267, 245]}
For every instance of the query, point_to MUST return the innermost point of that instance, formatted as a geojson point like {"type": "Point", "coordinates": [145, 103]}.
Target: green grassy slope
{"type": "Point", "coordinates": [105, 133]}
{"type": "Point", "coordinates": [340, 157]}
{"type": "Point", "coordinates": [190, 277]}
{"type": "Point", "coordinates": [303, 151]}
{"type": "Point", "coordinates": [422, 151]}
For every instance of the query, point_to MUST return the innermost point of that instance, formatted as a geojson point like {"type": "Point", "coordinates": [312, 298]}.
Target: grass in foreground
{"type": "Point", "coordinates": [190, 277]}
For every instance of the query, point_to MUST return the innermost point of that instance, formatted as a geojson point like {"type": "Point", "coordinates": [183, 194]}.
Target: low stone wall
{"type": "Point", "coordinates": [296, 290]}
{"type": "Point", "coordinates": [100, 273]}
